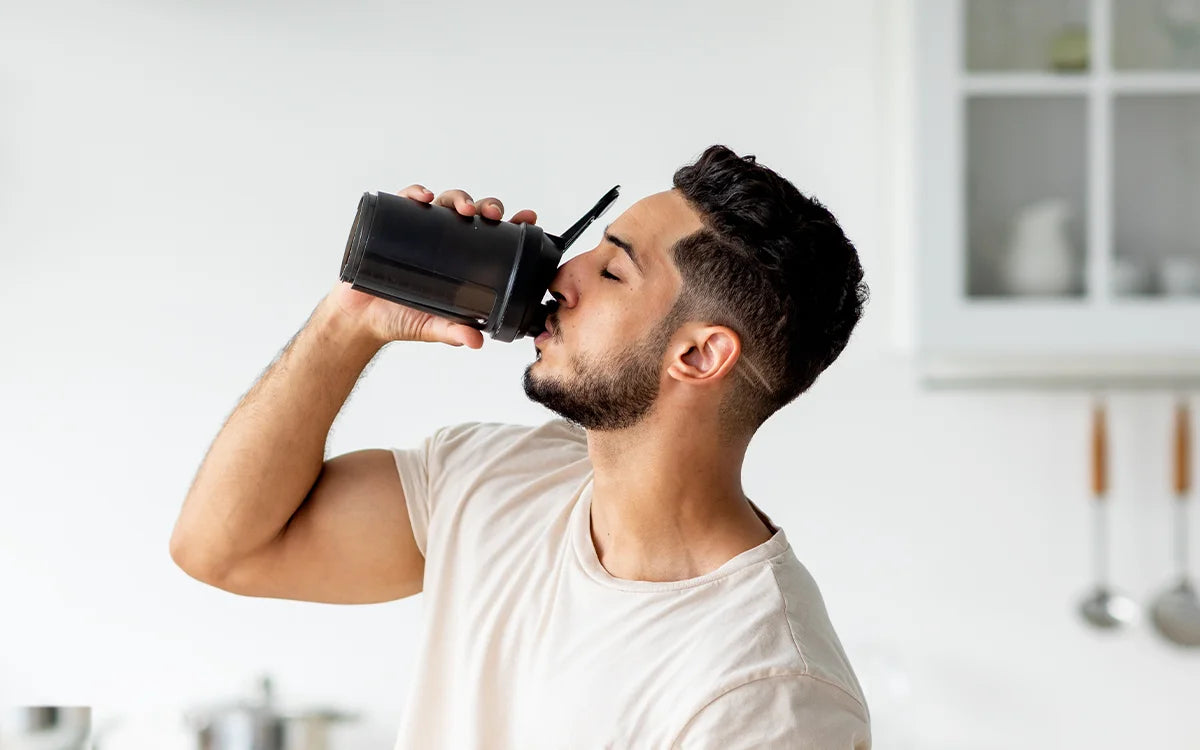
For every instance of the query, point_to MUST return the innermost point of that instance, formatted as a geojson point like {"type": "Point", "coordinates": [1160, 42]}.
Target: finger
{"type": "Point", "coordinates": [492, 208]}
{"type": "Point", "coordinates": [456, 334]}
{"type": "Point", "coordinates": [458, 200]}
{"type": "Point", "coordinates": [472, 337]}
{"type": "Point", "coordinates": [417, 192]}
{"type": "Point", "coordinates": [524, 216]}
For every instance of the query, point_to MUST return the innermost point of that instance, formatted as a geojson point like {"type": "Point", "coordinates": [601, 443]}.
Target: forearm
{"type": "Point", "coordinates": [271, 449]}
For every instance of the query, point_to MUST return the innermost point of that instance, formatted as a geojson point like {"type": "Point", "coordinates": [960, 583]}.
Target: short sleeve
{"type": "Point", "coordinates": [419, 470]}
{"type": "Point", "coordinates": [413, 466]}
{"type": "Point", "coordinates": [435, 472]}
{"type": "Point", "coordinates": [793, 711]}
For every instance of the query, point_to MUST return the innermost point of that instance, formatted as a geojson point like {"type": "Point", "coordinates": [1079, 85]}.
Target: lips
{"type": "Point", "coordinates": [545, 335]}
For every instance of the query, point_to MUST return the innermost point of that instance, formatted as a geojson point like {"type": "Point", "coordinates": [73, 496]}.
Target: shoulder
{"type": "Point", "coordinates": [461, 452]}
{"type": "Point", "coordinates": [782, 625]}
{"type": "Point", "coordinates": [779, 710]}
{"type": "Point", "coordinates": [488, 481]}
{"type": "Point", "coordinates": [769, 622]}
{"type": "Point", "coordinates": [810, 627]}
{"type": "Point", "coordinates": [497, 435]}
{"type": "Point", "coordinates": [467, 456]}
{"type": "Point", "coordinates": [479, 443]}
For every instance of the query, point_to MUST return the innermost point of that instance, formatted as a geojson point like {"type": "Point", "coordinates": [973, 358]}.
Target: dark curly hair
{"type": "Point", "coordinates": [775, 267]}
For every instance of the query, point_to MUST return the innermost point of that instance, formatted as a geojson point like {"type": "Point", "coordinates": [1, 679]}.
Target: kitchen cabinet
{"type": "Point", "coordinates": [1058, 191]}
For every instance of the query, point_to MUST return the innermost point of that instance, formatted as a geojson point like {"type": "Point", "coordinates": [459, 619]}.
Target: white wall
{"type": "Point", "coordinates": [176, 185]}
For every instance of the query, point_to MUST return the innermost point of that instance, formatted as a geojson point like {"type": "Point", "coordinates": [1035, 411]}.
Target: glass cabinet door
{"type": "Point", "coordinates": [1156, 35]}
{"type": "Point", "coordinates": [1026, 147]}
{"type": "Point", "coordinates": [1058, 193]}
{"type": "Point", "coordinates": [1026, 35]}
{"type": "Point", "coordinates": [1156, 196]}
{"type": "Point", "coordinates": [1026, 181]}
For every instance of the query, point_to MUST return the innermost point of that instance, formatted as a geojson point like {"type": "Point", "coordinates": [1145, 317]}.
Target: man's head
{"type": "Point", "coordinates": [731, 289]}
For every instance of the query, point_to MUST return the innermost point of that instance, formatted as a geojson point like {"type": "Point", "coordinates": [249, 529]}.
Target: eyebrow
{"type": "Point", "coordinates": [628, 248]}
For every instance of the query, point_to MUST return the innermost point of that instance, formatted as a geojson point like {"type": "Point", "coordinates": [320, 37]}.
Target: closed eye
{"type": "Point", "coordinates": [608, 275]}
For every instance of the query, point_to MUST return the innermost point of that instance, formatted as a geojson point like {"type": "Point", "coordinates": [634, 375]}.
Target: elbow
{"type": "Point", "coordinates": [181, 551]}
{"type": "Point", "coordinates": [192, 558]}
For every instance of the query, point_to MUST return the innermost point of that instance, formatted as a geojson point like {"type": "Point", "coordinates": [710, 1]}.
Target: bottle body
{"type": "Point", "coordinates": [485, 273]}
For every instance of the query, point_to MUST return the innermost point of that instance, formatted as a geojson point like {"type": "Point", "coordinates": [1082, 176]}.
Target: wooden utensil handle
{"type": "Point", "coordinates": [1183, 449]}
{"type": "Point", "coordinates": [1099, 451]}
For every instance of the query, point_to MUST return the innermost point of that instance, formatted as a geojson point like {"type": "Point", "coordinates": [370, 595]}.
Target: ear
{"type": "Point", "coordinates": [705, 354]}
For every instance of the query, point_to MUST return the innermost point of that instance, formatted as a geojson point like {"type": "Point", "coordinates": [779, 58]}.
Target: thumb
{"type": "Point", "coordinates": [457, 334]}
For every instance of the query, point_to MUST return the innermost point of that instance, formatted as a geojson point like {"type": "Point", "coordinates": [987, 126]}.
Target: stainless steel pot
{"type": "Point", "coordinates": [45, 727]}
{"type": "Point", "coordinates": [259, 725]}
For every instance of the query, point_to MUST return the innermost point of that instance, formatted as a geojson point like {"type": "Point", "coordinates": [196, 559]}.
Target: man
{"type": "Point", "coordinates": [599, 580]}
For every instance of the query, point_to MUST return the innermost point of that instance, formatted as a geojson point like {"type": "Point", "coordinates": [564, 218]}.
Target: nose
{"type": "Point", "coordinates": [562, 289]}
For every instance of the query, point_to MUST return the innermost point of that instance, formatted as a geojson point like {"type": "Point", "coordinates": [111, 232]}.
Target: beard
{"type": "Point", "coordinates": [610, 393]}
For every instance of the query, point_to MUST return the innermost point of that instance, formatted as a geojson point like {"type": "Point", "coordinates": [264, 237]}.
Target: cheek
{"type": "Point", "coordinates": [605, 333]}
{"type": "Point", "coordinates": [612, 327]}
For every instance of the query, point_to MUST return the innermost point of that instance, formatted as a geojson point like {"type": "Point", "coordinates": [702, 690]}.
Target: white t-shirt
{"type": "Point", "coordinates": [529, 643]}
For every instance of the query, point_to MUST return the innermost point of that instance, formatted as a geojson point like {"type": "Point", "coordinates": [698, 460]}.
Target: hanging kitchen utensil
{"type": "Point", "coordinates": [1176, 611]}
{"type": "Point", "coordinates": [1103, 607]}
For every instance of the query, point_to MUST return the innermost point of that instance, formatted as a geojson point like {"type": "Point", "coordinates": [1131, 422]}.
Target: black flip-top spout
{"type": "Point", "coordinates": [576, 229]}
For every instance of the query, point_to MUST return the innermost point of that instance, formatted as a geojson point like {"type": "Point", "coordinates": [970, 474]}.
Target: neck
{"type": "Point", "coordinates": [667, 501]}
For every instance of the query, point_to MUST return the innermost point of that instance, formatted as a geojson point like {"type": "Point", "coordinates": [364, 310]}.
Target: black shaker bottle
{"type": "Point", "coordinates": [489, 274]}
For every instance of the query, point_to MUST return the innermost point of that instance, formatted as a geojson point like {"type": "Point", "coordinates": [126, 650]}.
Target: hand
{"type": "Point", "coordinates": [392, 321]}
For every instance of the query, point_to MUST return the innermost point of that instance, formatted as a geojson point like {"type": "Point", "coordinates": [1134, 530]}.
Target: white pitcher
{"type": "Point", "coordinates": [1040, 258]}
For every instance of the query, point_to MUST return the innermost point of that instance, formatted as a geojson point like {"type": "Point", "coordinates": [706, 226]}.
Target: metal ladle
{"type": "Point", "coordinates": [1103, 607]}
{"type": "Point", "coordinates": [1176, 611]}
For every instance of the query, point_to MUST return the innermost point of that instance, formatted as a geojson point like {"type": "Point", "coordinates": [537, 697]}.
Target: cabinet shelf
{"type": "Point", "coordinates": [1026, 84]}
{"type": "Point", "coordinates": [1155, 83]}
{"type": "Point", "coordinates": [1051, 84]}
